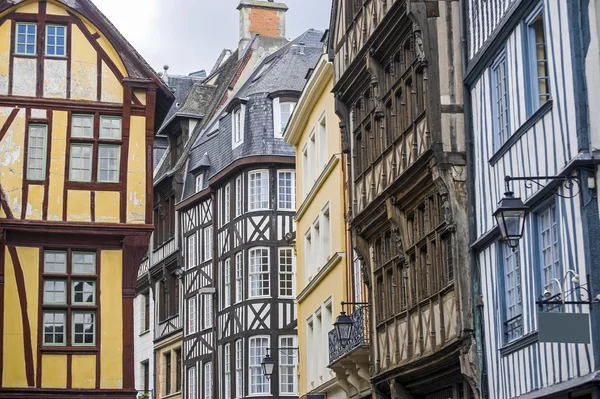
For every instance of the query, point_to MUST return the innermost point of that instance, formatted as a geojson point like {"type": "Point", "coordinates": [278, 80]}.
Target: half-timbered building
{"type": "Point", "coordinates": [78, 112]}
{"type": "Point", "coordinates": [529, 118]}
{"type": "Point", "coordinates": [398, 87]}
{"type": "Point", "coordinates": [240, 190]}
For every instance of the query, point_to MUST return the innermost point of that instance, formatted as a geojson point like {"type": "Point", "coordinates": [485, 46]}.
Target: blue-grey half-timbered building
{"type": "Point", "coordinates": [527, 102]}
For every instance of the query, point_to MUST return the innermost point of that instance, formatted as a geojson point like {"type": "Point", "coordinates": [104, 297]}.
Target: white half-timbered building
{"type": "Point", "coordinates": [529, 117]}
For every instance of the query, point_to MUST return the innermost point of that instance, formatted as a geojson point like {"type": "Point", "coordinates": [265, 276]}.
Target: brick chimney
{"type": "Point", "coordinates": [263, 18]}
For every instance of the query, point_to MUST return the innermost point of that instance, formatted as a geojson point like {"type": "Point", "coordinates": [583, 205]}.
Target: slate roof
{"type": "Point", "coordinates": [180, 86]}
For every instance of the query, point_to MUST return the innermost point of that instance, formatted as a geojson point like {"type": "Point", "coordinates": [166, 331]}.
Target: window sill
{"type": "Point", "coordinates": [533, 119]}
{"type": "Point", "coordinates": [69, 349]}
{"type": "Point", "coordinates": [308, 199]}
{"type": "Point", "coordinates": [519, 343]}
{"type": "Point", "coordinates": [144, 332]}
{"type": "Point", "coordinates": [171, 395]}
{"type": "Point", "coordinates": [259, 297]}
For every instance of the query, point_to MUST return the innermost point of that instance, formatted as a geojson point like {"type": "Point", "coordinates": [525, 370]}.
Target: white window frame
{"type": "Point", "coordinates": [512, 297]}
{"type": "Point", "coordinates": [227, 370]}
{"type": "Point", "coordinates": [88, 176]}
{"type": "Point", "coordinates": [286, 273]}
{"type": "Point", "coordinates": [199, 182]}
{"type": "Point", "coordinates": [254, 273]}
{"type": "Point", "coordinates": [239, 277]}
{"type": "Point", "coordinates": [308, 255]}
{"type": "Point", "coordinates": [550, 262]}
{"type": "Point", "coordinates": [56, 45]}
{"type": "Point", "coordinates": [256, 378]}
{"type": "Point", "coordinates": [239, 368]}
{"type": "Point", "coordinates": [118, 158]}
{"type": "Point", "coordinates": [500, 101]}
{"type": "Point", "coordinates": [44, 150]}
{"type": "Point", "coordinates": [208, 380]}
{"type": "Point", "coordinates": [207, 239]}
{"type": "Point", "coordinates": [239, 196]}
{"type": "Point", "coordinates": [237, 131]}
{"type": "Point", "coordinates": [192, 315]}
{"type": "Point", "coordinates": [325, 233]}
{"type": "Point", "coordinates": [322, 141]}
{"type": "Point", "coordinates": [227, 282]}
{"type": "Point", "coordinates": [306, 185]}
{"type": "Point", "coordinates": [227, 206]}
{"type": "Point", "coordinates": [257, 200]}
{"type": "Point", "coordinates": [532, 60]}
{"type": "Point", "coordinates": [278, 127]}
{"type": "Point", "coordinates": [292, 206]}
{"type": "Point", "coordinates": [79, 118]}
{"type": "Point", "coordinates": [104, 118]}
{"type": "Point", "coordinates": [192, 249]}
{"type": "Point", "coordinates": [191, 383]}
{"type": "Point", "coordinates": [284, 357]}
{"type": "Point", "coordinates": [27, 24]}
{"type": "Point", "coordinates": [208, 311]}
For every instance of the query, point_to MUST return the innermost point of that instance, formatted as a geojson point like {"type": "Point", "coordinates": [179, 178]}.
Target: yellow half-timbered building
{"type": "Point", "coordinates": [78, 111]}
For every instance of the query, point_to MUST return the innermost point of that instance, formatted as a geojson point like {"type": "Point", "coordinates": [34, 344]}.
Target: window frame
{"type": "Point", "coordinates": [239, 277]}
{"type": "Point", "coordinates": [191, 382]}
{"type": "Point", "coordinates": [292, 206]}
{"type": "Point", "coordinates": [16, 39]}
{"type": "Point", "coordinates": [199, 182]}
{"type": "Point", "coordinates": [557, 255]}
{"type": "Point", "coordinates": [192, 313]}
{"type": "Point", "coordinates": [207, 238]}
{"type": "Point", "coordinates": [239, 196]}
{"type": "Point", "coordinates": [282, 356]}
{"type": "Point", "coordinates": [239, 368]}
{"type": "Point", "coordinates": [259, 273]}
{"type": "Point", "coordinates": [257, 368]}
{"type": "Point", "coordinates": [262, 195]}
{"type": "Point", "coordinates": [500, 64]}
{"type": "Point", "coordinates": [192, 250]}
{"type": "Point", "coordinates": [227, 370]}
{"type": "Point", "coordinates": [530, 54]}
{"type": "Point", "coordinates": [55, 45]}
{"type": "Point", "coordinates": [322, 146]}
{"type": "Point", "coordinates": [208, 311]}
{"type": "Point", "coordinates": [281, 273]}
{"type": "Point", "coordinates": [227, 203]}
{"type": "Point", "coordinates": [118, 158]}
{"type": "Point", "coordinates": [227, 283]}
{"type": "Point", "coordinates": [44, 160]}
{"type": "Point", "coordinates": [509, 261]}
{"type": "Point", "coordinates": [237, 130]}
{"type": "Point", "coordinates": [278, 103]}
{"type": "Point", "coordinates": [208, 380]}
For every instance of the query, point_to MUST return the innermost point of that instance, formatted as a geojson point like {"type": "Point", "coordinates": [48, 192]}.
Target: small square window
{"type": "Point", "coordinates": [84, 292]}
{"type": "Point", "coordinates": [110, 127]}
{"type": "Point", "coordinates": [82, 126]}
{"type": "Point", "coordinates": [55, 292]}
{"type": "Point", "coordinates": [84, 328]}
{"type": "Point", "coordinates": [81, 162]}
{"type": "Point", "coordinates": [26, 39]}
{"type": "Point", "coordinates": [84, 263]}
{"type": "Point", "coordinates": [56, 37]}
{"type": "Point", "coordinates": [54, 328]}
{"type": "Point", "coordinates": [55, 262]}
{"type": "Point", "coordinates": [109, 158]}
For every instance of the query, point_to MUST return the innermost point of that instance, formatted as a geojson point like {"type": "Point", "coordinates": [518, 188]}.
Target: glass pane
{"type": "Point", "coordinates": [84, 263]}
{"type": "Point", "coordinates": [83, 292]}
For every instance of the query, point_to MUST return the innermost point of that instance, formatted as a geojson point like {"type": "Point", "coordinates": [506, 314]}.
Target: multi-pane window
{"type": "Point", "coordinates": [288, 365]}
{"type": "Point", "coordinates": [259, 272]}
{"type": "Point", "coordinates": [191, 383]}
{"type": "Point", "coordinates": [500, 102]}
{"type": "Point", "coordinates": [227, 278]}
{"type": "Point", "coordinates": [70, 290]}
{"type": "Point", "coordinates": [259, 384]}
{"type": "Point", "coordinates": [106, 140]}
{"type": "Point", "coordinates": [238, 126]}
{"type": "Point", "coordinates": [538, 61]}
{"type": "Point", "coordinates": [286, 272]}
{"type": "Point", "coordinates": [285, 112]}
{"type": "Point", "coordinates": [25, 41]}
{"type": "Point", "coordinates": [306, 182]}
{"type": "Point", "coordinates": [168, 367]}
{"type": "Point", "coordinates": [192, 316]}
{"type": "Point", "coordinates": [56, 37]}
{"type": "Point", "coordinates": [259, 190]}
{"type": "Point", "coordinates": [357, 277]}
{"type": "Point", "coordinates": [36, 152]}
{"type": "Point", "coordinates": [192, 248]}
{"type": "Point", "coordinates": [239, 196]}
{"type": "Point", "coordinates": [512, 293]}
{"type": "Point", "coordinates": [208, 311]}
{"type": "Point", "coordinates": [227, 206]}
{"type": "Point", "coordinates": [207, 243]}
{"type": "Point", "coordinates": [239, 279]}
{"type": "Point", "coordinates": [208, 380]}
{"type": "Point", "coordinates": [286, 188]}
{"type": "Point", "coordinates": [227, 370]}
{"type": "Point", "coordinates": [325, 233]}
{"type": "Point", "coordinates": [549, 247]}
{"type": "Point", "coordinates": [239, 371]}
{"type": "Point", "coordinates": [199, 182]}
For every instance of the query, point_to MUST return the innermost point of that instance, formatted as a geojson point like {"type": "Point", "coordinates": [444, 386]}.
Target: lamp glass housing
{"type": "Point", "coordinates": [268, 364]}
{"type": "Point", "coordinates": [343, 327]}
{"type": "Point", "coordinates": [510, 217]}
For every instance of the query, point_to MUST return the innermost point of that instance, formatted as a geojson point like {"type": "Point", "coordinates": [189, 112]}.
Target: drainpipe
{"type": "Point", "coordinates": [475, 288]}
{"type": "Point", "coordinates": [154, 374]}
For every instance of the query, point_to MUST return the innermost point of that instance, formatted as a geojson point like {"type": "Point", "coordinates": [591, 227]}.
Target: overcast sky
{"type": "Point", "coordinates": [189, 35]}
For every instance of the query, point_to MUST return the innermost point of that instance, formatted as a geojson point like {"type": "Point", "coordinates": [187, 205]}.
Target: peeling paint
{"type": "Point", "coordinates": [24, 76]}
{"type": "Point", "coordinates": [55, 78]}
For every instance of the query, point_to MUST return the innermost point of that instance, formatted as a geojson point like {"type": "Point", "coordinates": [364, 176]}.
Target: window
{"type": "Point", "coordinates": [208, 380]}
{"type": "Point", "coordinates": [85, 141]}
{"type": "Point", "coordinates": [191, 383]}
{"type": "Point", "coordinates": [25, 42]}
{"type": "Point", "coordinates": [227, 367]}
{"type": "Point", "coordinates": [192, 247]}
{"type": "Point", "coordinates": [287, 273]}
{"type": "Point", "coordinates": [239, 282]}
{"type": "Point", "coordinates": [282, 112]}
{"type": "Point", "coordinates": [286, 188]}
{"type": "Point", "coordinates": [500, 102]}
{"type": "Point", "coordinates": [69, 289]}
{"type": "Point", "coordinates": [199, 182]}
{"type": "Point", "coordinates": [208, 310]}
{"type": "Point", "coordinates": [227, 203]}
{"type": "Point", "coordinates": [168, 297]}
{"type": "Point", "coordinates": [326, 234]}
{"type": "Point", "coordinates": [259, 272]}
{"type": "Point", "coordinates": [288, 365]}
{"type": "Point", "coordinates": [306, 183]}
{"type": "Point", "coordinates": [177, 370]}
{"type": "Point", "coordinates": [312, 156]}
{"type": "Point", "coordinates": [356, 275]}
{"type": "Point", "coordinates": [308, 253]}
{"type": "Point", "coordinates": [259, 190]}
{"type": "Point", "coordinates": [146, 371]}
{"type": "Point", "coordinates": [239, 371]}
{"type": "Point", "coordinates": [146, 321]}
{"type": "Point", "coordinates": [56, 36]}
{"type": "Point", "coordinates": [239, 197]}
{"type": "Point", "coordinates": [538, 61]}
{"type": "Point", "coordinates": [512, 293]}
{"type": "Point", "coordinates": [36, 152]}
{"type": "Point", "coordinates": [549, 247]}
{"type": "Point", "coordinates": [322, 142]}
{"type": "Point", "coordinates": [227, 291]}
{"type": "Point", "coordinates": [237, 122]}
{"type": "Point", "coordinates": [258, 349]}
{"type": "Point", "coordinates": [316, 244]}
{"type": "Point", "coordinates": [167, 360]}
{"type": "Point", "coordinates": [207, 243]}
{"type": "Point", "coordinates": [192, 316]}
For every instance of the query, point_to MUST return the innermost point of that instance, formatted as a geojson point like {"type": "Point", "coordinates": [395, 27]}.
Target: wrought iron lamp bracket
{"type": "Point", "coordinates": [568, 182]}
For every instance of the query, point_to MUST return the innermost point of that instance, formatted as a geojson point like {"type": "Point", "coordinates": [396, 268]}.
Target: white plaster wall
{"type": "Point", "coordinates": [143, 345]}
{"type": "Point", "coordinates": [55, 78]}
{"type": "Point", "coordinates": [24, 76]}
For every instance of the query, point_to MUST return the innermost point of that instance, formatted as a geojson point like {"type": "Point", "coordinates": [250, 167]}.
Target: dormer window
{"type": "Point", "coordinates": [199, 182]}
{"type": "Point", "coordinates": [282, 112]}
{"type": "Point", "coordinates": [237, 125]}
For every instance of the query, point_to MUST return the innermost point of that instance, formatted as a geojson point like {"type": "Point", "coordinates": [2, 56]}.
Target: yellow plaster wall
{"type": "Point", "coordinates": [35, 201]}
{"type": "Point", "coordinates": [111, 351]}
{"type": "Point", "coordinates": [141, 95]}
{"type": "Point", "coordinates": [84, 68]}
{"type": "Point", "coordinates": [79, 206]}
{"type": "Point", "coordinates": [53, 8]}
{"type": "Point", "coordinates": [5, 31]}
{"type": "Point", "coordinates": [112, 53]}
{"type": "Point", "coordinates": [107, 207]}
{"type": "Point", "coordinates": [31, 8]}
{"type": "Point", "coordinates": [11, 159]}
{"type": "Point", "coordinates": [136, 171]}
{"type": "Point", "coordinates": [83, 369]}
{"type": "Point", "coordinates": [54, 371]}
{"type": "Point", "coordinates": [57, 165]}
{"type": "Point", "coordinates": [13, 343]}
{"type": "Point", "coordinates": [112, 91]}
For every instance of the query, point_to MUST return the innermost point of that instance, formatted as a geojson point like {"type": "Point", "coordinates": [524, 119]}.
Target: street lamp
{"type": "Point", "coordinates": [344, 324]}
{"type": "Point", "coordinates": [510, 217]}
{"type": "Point", "coordinates": [268, 364]}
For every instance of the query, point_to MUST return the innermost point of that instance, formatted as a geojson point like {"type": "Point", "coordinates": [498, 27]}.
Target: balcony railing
{"type": "Point", "coordinates": [163, 251]}
{"type": "Point", "coordinates": [143, 270]}
{"type": "Point", "coordinates": [358, 338]}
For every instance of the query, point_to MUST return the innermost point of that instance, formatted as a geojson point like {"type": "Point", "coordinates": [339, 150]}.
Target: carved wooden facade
{"type": "Point", "coordinates": [399, 97]}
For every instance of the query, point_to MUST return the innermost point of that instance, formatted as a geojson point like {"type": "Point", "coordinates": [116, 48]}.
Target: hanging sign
{"type": "Point", "coordinates": [564, 328]}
